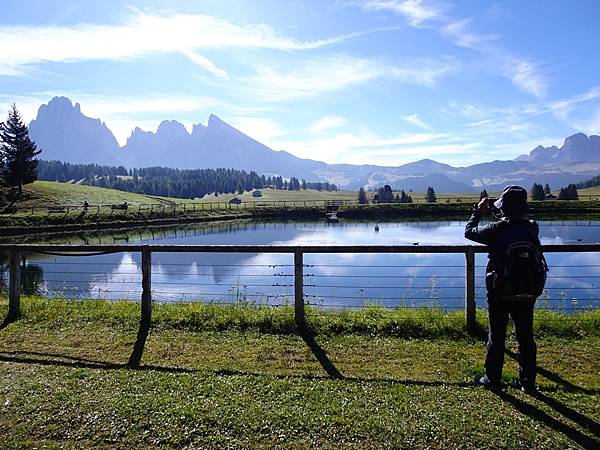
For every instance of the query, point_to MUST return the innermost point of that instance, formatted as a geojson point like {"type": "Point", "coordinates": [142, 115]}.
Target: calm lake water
{"type": "Point", "coordinates": [347, 280]}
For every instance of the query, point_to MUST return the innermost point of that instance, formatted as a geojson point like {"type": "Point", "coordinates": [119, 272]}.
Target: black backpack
{"type": "Point", "coordinates": [523, 274]}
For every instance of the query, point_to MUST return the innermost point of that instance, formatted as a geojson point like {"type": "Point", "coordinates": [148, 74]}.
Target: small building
{"type": "Point", "coordinates": [235, 201]}
{"type": "Point", "coordinates": [549, 197]}
{"type": "Point", "coordinates": [257, 193]}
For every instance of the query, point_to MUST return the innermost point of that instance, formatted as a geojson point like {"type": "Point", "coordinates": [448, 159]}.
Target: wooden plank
{"type": "Point", "coordinates": [470, 307]}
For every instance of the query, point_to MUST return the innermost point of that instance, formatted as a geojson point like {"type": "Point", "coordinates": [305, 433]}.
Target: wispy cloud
{"type": "Point", "coordinates": [414, 11]}
{"type": "Point", "coordinates": [363, 147]}
{"type": "Point", "coordinates": [460, 33]}
{"type": "Point", "coordinates": [526, 76]}
{"type": "Point", "coordinates": [327, 123]}
{"type": "Point", "coordinates": [331, 73]}
{"type": "Point", "coordinates": [415, 120]}
{"type": "Point", "coordinates": [523, 73]}
{"type": "Point", "coordinates": [141, 35]}
{"type": "Point", "coordinates": [563, 107]}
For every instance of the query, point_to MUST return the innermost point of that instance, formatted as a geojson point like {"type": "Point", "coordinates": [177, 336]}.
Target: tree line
{"type": "Point", "coordinates": [539, 192]}
{"type": "Point", "coordinates": [167, 182]}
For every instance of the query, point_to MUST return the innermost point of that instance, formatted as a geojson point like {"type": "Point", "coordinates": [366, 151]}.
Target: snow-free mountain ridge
{"type": "Point", "coordinates": [65, 133]}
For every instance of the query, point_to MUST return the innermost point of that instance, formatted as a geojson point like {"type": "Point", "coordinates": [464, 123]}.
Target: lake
{"type": "Point", "coordinates": [331, 281]}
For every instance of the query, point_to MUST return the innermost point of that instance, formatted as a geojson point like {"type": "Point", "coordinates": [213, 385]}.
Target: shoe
{"type": "Point", "coordinates": [483, 380]}
{"type": "Point", "coordinates": [529, 389]}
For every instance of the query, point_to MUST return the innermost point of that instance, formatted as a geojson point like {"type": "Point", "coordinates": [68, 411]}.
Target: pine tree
{"type": "Point", "coordinates": [430, 195]}
{"type": "Point", "coordinates": [537, 192]}
{"type": "Point", "coordinates": [17, 152]}
{"type": "Point", "coordinates": [547, 190]}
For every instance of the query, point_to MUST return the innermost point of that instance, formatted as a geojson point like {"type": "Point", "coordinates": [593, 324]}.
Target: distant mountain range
{"type": "Point", "coordinates": [65, 134]}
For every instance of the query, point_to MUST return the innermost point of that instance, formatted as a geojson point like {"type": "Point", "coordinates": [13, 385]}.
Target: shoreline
{"type": "Point", "coordinates": [26, 226]}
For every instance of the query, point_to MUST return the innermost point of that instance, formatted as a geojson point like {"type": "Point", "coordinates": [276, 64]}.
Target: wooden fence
{"type": "Point", "coordinates": [17, 250]}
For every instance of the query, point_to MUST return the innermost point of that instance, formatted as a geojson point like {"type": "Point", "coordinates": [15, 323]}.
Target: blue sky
{"type": "Point", "coordinates": [373, 81]}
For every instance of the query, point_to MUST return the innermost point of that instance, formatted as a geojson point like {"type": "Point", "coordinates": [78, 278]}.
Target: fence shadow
{"type": "Point", "coordinates": [556, 378]}
{"type": "Point", "coordinates": [53, 359]}
{"type": "Point", "coordinates": [308, 337]}
{"type": "Point", "coordinates": [537, 414]}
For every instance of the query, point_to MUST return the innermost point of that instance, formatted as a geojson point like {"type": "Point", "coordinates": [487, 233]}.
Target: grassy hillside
{"type": "Point", "coordinates": [44, 193]}
{"type": "Point", "coordinates": [209, 381]}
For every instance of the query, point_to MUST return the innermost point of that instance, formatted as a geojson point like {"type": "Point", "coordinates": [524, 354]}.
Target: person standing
{"type": "Point", "coordinates": [515, 275]}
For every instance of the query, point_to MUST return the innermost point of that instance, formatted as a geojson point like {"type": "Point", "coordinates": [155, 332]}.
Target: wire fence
{"type": "Point", "coordinates": [345, 281]}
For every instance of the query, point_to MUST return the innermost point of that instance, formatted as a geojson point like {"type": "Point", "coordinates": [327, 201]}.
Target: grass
{"type": "Point", "coordinates": [215, 377]}
{"type": "Point", "coordinates": [44, 193]}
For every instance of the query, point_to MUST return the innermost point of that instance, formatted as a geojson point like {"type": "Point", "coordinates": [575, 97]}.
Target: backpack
{"type": "Point", "coordinates": [523, 274]}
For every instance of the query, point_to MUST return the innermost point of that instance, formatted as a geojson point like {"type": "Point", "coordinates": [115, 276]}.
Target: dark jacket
{"type": "Point", "coordinates": [499, 235]}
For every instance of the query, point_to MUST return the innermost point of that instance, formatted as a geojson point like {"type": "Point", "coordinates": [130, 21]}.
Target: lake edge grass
{"type": "Point", "coordinates": [369, 320]}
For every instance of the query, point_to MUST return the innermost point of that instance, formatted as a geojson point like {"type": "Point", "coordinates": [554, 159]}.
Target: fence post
{"type": "Point", "coordinates": [299, 290]}
{"type": "Point", "coordinates": [470, 307]}
{"type": "Point", "coordinates": [14, 293]}
{"type": "Point", "coordinates": [146, 310]}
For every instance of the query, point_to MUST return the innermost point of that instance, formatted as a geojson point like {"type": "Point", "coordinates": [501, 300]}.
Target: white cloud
{"type": "Point", "coordinates": [363, 147]}
{"type": "Point", "coordinates": [141, 35]}
{"type": "Point", "coordinates": [415, 120]}
{"type": "Point", "coordinates": [327, 123]}
{"type": "Point", "coordinates": [460, 34]}
{"type": "Point", "coordinates": [523, 73]}
{"type": "Point", "coordinates": [562, 108]}
{"type": "Point", "coordinates": [318, 75]}
{"type": "Point", "coordinates": [414, 11]}
{"type": "Point", "coordinates": [526, 76]}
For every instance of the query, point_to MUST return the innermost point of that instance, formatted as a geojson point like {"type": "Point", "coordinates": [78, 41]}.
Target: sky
{"type": "Point", "coordinates": [382, 82]}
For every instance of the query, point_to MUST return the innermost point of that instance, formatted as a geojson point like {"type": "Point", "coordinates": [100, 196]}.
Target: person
{"type": "Point", "coordinates": [498, 236]}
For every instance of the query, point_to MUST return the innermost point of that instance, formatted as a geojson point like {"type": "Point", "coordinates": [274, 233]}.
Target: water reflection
{"type": "Point", "coordinates": [331, 280]}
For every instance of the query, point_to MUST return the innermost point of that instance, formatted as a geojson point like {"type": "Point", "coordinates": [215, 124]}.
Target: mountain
{"type": "Point", "coordinates": [576, 148]}
{"type": "Point", "coordinates": [64, 133]}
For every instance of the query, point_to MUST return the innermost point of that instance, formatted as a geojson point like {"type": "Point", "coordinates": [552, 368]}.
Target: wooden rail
{"type": "Point", "coordinates": [18, 251]}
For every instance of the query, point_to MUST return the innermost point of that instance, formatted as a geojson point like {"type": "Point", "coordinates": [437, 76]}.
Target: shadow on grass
{"type": "Point", "coordinates": [556, 378]}
{"type": "Point", "coordinates": [537, 414]}
{"type": "Point", "coordinates": [309, 339]}
{"type": "Point", "coordinates": [58, 360]}
{"type": "Point", "coordinates": [51, 359]}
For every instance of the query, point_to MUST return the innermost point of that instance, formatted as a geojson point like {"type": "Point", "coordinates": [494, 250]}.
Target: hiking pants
{"type": "Point", "coordinates": [522, 316]}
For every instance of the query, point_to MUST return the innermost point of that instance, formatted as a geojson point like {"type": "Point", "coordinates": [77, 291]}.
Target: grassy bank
{"type": "Point", "coordinates": [240, 377]}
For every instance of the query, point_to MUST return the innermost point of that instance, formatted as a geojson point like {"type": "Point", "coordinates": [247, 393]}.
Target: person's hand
{"type": "Point", "coordinates": [484, 205]}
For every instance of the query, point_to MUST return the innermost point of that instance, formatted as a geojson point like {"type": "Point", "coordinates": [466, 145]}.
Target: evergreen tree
{"type": "Point", "coordinates": [547, 190]}
{"type": "Point", "coordinates": [18, 152]}
{"type": "Point", "coordinates": [362, 196]}
{"type": "Point", "coordinates": [430, 195]}
{"type": "Point", "coordinates": [537, 192]}
{"type": "Point", "coordinates": [568, 193]}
